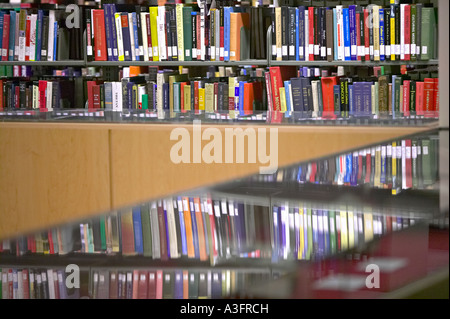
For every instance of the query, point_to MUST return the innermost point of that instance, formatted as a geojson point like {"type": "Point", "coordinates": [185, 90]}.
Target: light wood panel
{"type": "Point", "coordinates": [51, 174]}
{"type": "Point", "coordinates": [141, 168]}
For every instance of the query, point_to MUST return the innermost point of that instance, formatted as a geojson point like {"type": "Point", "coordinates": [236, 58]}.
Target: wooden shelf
{"type": "Point", "coordinates": [53, 173]}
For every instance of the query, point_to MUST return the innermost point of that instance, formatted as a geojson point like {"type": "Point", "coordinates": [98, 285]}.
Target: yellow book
{"type": "Point", "coordinates": [201, 99]}
{"type": "Point", "coordinates": [302, 233]}
{"type": "Point", "coordinates": [231, 88]}
{"type": "Point", "coordinates": [209, 97]}
{"type": "Point", "coordinates": [368, 224]}
{"type": "Point", "coordinates": [180, 35]}
{"type": "Point", "coordinates": [394, 168]}
{"type": "Point", "coordinates": [393, 45]}
{"type": "Point", "coordinates": [187, 97]}
{"type": "Point", "coordinates": [154, 31]}
{"type": "Point", "coordinates": [344, 229]}
{"type": "Point", "coordinates": [283, 99]}
{"type": "Point", "coordinates": [377, 182]}
{"type": "Point", "coordinates": [351, 229]}
{"type": "Point", "coordinates": [278, 33]}
{"type": "Point", "coordinates": [376, 33]}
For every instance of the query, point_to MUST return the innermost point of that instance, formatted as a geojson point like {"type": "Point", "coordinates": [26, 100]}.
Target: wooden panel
{"type": "Point", "coordinates": [141, 167]}
{"type": "Point", "coordinates": [50, 174]}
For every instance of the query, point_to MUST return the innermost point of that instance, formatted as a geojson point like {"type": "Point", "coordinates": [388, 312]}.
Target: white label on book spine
{"type": "Point", "coordinates": [194, 52]}
{"type": "Point", "coordinates": [222, 51]}
{"type": "Point", "coordinates": [382, 49]}
{"type": "Point", "coordinates": [329, 51]}
{"type": "Point", "coordinates": [232, 53]}
{"type": "Point", "coordinates": [408, 152]}
{"type": "Point", "coordinates": [360, 51]}
{"type": "Point", "coordinates": [389, 150]}
{"type": "Point", "coordinates": [274, 49]}
{"type": "Point", "coordinates": [109, 51]}
{"type": "Point", "coordinates": [347, 51]}
{"type": "Point", "coordinates": [413, 48]}
{"type": "Point", "coordinates": [284, 50]}
{"type": "Point", "coordinates": [291, 50]}
{"type": "Point", "coordinates": [414, 152]}
{"type": "Point", "coordinates": [301, 51]}
{"type": "Point", "coordinates": [316, 49]}
{"type": "Point", "coordinates": [323, 51]}
{"type": "Point", "coordinates": [279, 55]}
{"type": "Point", "coordinates": [188, 53]}
{"type": "Point", "coordinates": [311, 48]}
{"type": "Point", "coordinates": [418, 49]}
{"type": "Point", "coordinates": [397, 49]}
{"type": "Point", "coordinates": [354, 49]}
{"type": "Point", "coordinates": [407, 49]}
{"type": "Point", "coordinates": [89, 51]}
{"type": "Point", "coordinates": [425, 150]}
{"type": "Point", "coordinates": [424, 49]}
{"type": "Point", "coordinates": [388, 50]}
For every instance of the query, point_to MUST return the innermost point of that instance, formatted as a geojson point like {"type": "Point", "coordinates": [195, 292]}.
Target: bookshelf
{"type": "Point", "coordinates": [85, 162]}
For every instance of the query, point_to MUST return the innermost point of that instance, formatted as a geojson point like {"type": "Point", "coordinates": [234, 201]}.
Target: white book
{"type": "Point", "coordinates": [48, 94]}
{"type": "Point", "coordinates": [141, 92]}
{"type": "Point", "coordinates": [202, 33]}
{"type": "Point", "coordinates": [162, 48]}
{"type": "Point", "coordinates": [131, 31]}
{"type": "Point", "coordinates": [51, 34]}
{"type": "Point", "coordinates": [35, 104]}
{"type": "Point", "coordinates": [306, 35]}
{"type": "Point", "coordinates": [144, 35]}
{"type": "Point", "coordinates": [19, 284]}
{"type": "Point", "coordinates": [314, 85]}
{"type": "Point", "coordinates": [156, 249]}
{"type": "Point", "coordinates": [16, 42]}
{"type": "Point", "coordinates": [340, 26]}
{"type": "Point", "coordinates": [171, 222]}
{"type": "Point", "coordinates": [402, 31]}
{"type": "Point", "coordinates": [50, 282]}
{"type": "Point", "coordinates": [217, 21]}
{"type": "Point", "coordinates": [33, 37]}
{"type": "Point", "coordinates": [290, 98]}
{"type": "Point", "coordinates": [121, 53]}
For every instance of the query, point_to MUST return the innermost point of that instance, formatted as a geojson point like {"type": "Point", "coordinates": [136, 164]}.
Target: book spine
{"type": "Point", "coordinates": [352, 22]}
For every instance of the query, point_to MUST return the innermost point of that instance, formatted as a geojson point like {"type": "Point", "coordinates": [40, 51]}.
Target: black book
{"type": "Point", "coordinates": [323, 33]}
{"type": "Point", "coordinates": [387, 31]}
{"type": "Point", "coordinates": [173, 34]}
{"type": "Point", "coordinates": [284, 33]}
{"type": "Point", "coordinates": [317, 33]}
{"type": "Point", "coordinates": [44, 50]}
{"type": "Point", "coordinates": [291, 34]}
{"type": "Point", "coordinates": [138, 24]}
{"type": "Point", "coordinates": [397, 29]}
{"type": "Point", "coordinates": [274, 38]}
{"type": "Point", "coordinates": [371, 39]}
{"type": "Point", "coordinates": [22, 94]}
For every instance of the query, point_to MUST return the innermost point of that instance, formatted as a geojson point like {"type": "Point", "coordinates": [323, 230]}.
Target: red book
{"type": "Point", "coordinates": [143, 283]}
{"type": "Point", "coordinates": [27, 38]}
{"type": "Point", "coordinates": [366, 36]}
{"type": "Point", "coordinates": [196, 107]}
{"type": "Point", "coordinates": [312, 177]}
{"type": "Point", "coordinates": [182, 85]}
{"type": "Point", "coordinates": [185, 284]}
{"type": "Point", "coordinates": [162, 232]}
{"type": "Point", "coordinates": [5, 40]}
{"type": "Point", "coordinates": [279, 74]}
{"type": "Point", "coordinates": [159, 284]}
{"type": "Point", "coordinates": [10, 283]}
{"type": "Point", "coordinates": [368, 167]}
{"type": "Point", "coordinates": [358, 34]}
{"type": "Point", "coordinates": [50, 242]}
{"type": "Point", "coordinates": [388, 224]}
{"type": "Point", "coordinates": [200, 229]}
{"type": "Point", "coordinates": [149, 36]}
{"type": "Point", "coordinates": [56, 285]}
{"type": "Point", "coordinates": [436, 97]}
{"type": "Point", "coordinates": [26, 284]}
{"type": "Point", "coordinates": [249, 97]}
{"type": "Point", "coordinates": [90, 91]}
{"type": "Point", "coordinates": [222, 43]}
{"type": "Point", "coordinates": [428, 98]}
{"type": "Point", "coordinates": [199, 47]}
{"type": "Point", "coordinates": [408, 164]}
{"type": "Point", "coordinates": [151, 294]}
{"type": "Point", "coordinates": [1, 95]}
{"type": "Point", "coordinates": [113, 286]}
{"type": "Point", "coordinates": [406, 98]}
{"type": "Point", "coordinates": [135, 284]}
{"type": "Point", "coordinates": [96, 96]}
{"type": "Point", "coordinates": [407, 32]}
{"type": "Point", "coordinates": [269, 92]}
{"type": "Point", "coordinates": [216, 95]}
{"type": "Point", "coordinates": [311, 33]}
{"type": "Point", "coordinates": [328, 84]}
{"type": "Point", "coordinates": [100, 35]}
{"type": "Point", "coordinates": [420, 86]}
{"type": "Point", "coordinates": [360, 165]}
{"type": "Point", "coordinates": [42, 96]}
{"type": "Point", "coordinates": [17, 97]}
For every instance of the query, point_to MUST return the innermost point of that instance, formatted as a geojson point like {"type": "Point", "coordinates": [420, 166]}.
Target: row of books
{"type": "Point", "coordinates": [174, 33]}
{"type": "Point", "coordinates": [214, 230]}
{"type": "Point", "coordinates": [400, 32]}
{"type": "Point", "coordinates": [39, 35]}
{"type": "Point", "coordinates": [35, 283]}
{"type": "Point", "coordinates": [400, 165]}
{"type": "Point", "coordinates": [397, 96]}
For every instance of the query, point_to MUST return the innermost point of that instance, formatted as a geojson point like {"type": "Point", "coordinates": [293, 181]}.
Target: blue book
{"type": "Point", "coordinates": [112, 14]}
{"type": "Point", "coordinates": [182, 226]}
{"type": "Point", "coordinates": [178, 286]}
{"type": "Point", "coordinates": [166, 221]}
{"type": "Point", "coordinates": [353, 43]}
{"type": "Point", "coordinates": [282, 215]}
{"type": "Point", "coordinates": [226, 32]}
{"type": "Point", "coordinates": [126, 36]}
{"type": "Point", "coordinates": [382, 33]}
{"type": "Point", "coordinates": [335, 36]}
{"type": "Point", "coordinates": [383, 165]}
{"type": "Point", "coordinates": [130, 95]}
{"type": "Point", "coordinates": [297, 34]}
{"type": "Point", "coordinates": [299, 174]}
{"type": "Point", "coordinates": [276, 235]}
{"type": "Point", "coordinates": [347, 42]}
{"type": "Point", "coordinates": [301, 30]}
{"type": "Point", "coordinates": [166, 96]}
{"type": "Point", "coordinates": [351, 111]}
{"type": "Point", "coordinates": [12, 34]}
{"type": "Point", "coordinates": [136, 37]}
{"type": "Point", "coordinates": [297, 98]}
{"type": "Point", "coordinates": [108, 27]}
{"type": "Point", "coordinates": [326, 233]}
{"type": "Point", "coordinates": [354, 175]}
{"type": "Point", "coordinates": [288, 96]}
{"type": "Point", "coordinates": [137, 227]}
{"type": "Point", "coordinates": [55, 42]}
{"type": "Point", "coordinates": [1, 31]}
{"type": "Point", "coordinates": [194, 228]}
{"type": "Point", "coordinates": [241, 97]}
{"type": "Point", "coordinates": [236, 98]}
{"type": "Point", "coordinates": [366, 99]}
{"type": "Point", "coordinates": [357, 99]}
{"type": "Point", "coordinates": [321, 239]}
{"type": "Point", "coordinates": [348, 168]}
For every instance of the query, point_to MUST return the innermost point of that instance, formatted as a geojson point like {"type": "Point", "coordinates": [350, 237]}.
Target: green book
{"type": "Point", "coordinates": [168, 284]}
{"type": "Point", "coordinates": [146, 230]}
{"type": "Point", "coordinates": [309, 249]}
{"type": "Point", "coordinates": [398, 83]}
{"type": "Point", "coordinates": [428, 162]}
{"type": "Point", "coordinates": [193, 285]}
{"type": "Point", "coordinates": [103, 233]}
{"type": "Point", "coordinates": [187, 33]}
{"type": "Point", "coordinates": [332, 229]}
{"type": "Point", "coordinates": [428, 33]}
{"type": "Point", "coordinates": [145, 101]}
